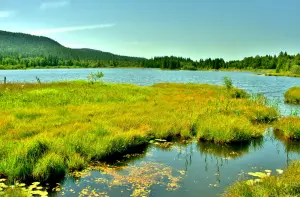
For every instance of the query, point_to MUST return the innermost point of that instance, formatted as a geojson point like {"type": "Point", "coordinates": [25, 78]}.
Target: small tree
{"type": "Point", "coordinates": [228, 82]}
{"type": "Point", "coordinates": [93, 77]}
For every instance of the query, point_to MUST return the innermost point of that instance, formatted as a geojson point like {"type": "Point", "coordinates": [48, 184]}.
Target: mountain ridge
{"type": "Point", "coordinates": [27, 45]}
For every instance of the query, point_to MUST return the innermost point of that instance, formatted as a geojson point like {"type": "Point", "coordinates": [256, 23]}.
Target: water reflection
{"type": "Point", "coordinates": [228, 151]}
{"type": "Point", "coordinates": [290, 146]}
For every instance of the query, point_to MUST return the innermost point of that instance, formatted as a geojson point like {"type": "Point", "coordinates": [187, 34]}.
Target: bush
{"type": "Point", "coordinates": [93, 77]}
{"type": "Point", "coordinates": [228, 82]}
{"type": "Point", "coordinates": [295, 69]}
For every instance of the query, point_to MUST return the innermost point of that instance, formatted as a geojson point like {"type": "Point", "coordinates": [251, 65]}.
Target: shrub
{"type": "Point", "coordinates": [228, 82]}
{"type": "Point", "coordinates": [295, 69]}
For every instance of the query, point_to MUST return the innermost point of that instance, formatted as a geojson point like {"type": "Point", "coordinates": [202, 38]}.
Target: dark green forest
{"type": "Point", "coordinates": [23, 51]}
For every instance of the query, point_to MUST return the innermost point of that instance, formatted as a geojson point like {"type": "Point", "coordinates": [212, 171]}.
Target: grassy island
{"type": "Point", "coordinates": [292, 96]}
{"type": "Point", "coordinates": [289, 127]}
{"type": "Point", "coordinates": [50, 129]}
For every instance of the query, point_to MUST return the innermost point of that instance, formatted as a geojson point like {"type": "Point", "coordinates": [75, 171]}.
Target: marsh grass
{"type": "Point", "coordinates": [287, 184]}
{"type": "Point", "coordinates": [289, 127]}
{"type": "Point", "coordinates": [48, 129]}
{"type": "Point", "coordinates": [293, 95]}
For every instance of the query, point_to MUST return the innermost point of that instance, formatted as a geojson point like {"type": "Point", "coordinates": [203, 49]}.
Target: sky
{"type": "Point", "coordinates": [229, 29]}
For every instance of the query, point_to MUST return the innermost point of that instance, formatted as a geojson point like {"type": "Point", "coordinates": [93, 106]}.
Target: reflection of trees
{"type": "Point", "coordinates": [222, 153]}
{"type": "Point", "coordinates": [290, 146]}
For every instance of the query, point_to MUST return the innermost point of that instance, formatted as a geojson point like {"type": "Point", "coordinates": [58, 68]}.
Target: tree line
{"type": "Point", "coordinates": [282, 63]}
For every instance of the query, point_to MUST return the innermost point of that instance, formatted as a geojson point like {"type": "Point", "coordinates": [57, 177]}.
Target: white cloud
{"type": "Point", "coordinates": [6, 14]}
{"type": "Point", "coordinates": [74, 46]}
{"type": "Point", "coordinates": [68, 29]}
{"type": "Point", "coordinates": [54, 4]}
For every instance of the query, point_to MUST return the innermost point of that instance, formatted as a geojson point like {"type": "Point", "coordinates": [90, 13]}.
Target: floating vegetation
{"type": "Point", "coordinates": [137, 178]}
{"type": "Point", "coordinates": [20, 189]}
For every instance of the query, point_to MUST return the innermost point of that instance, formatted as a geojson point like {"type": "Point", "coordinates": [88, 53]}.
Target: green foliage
{"type": "Point", "coordinates": [22, 51]}
{"type": "Point", "coordinates": [286, 184]}
{"type": "Point", "coordinates": [93, 77]}
{"type": "Point", "coordinates": [292, 96]}
{"type": "Point", "coordinates": [295, 69]}
{"type": "Point", "coordinates": [289, 127]}
{"type": "Point", "coordinates": [228, 82]}
{"type": "Point", "coordinates": [50, 167]}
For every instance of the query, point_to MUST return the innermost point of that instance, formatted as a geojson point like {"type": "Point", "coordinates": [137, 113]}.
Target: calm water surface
{"type": "Point", "coordinates": [200, 169]}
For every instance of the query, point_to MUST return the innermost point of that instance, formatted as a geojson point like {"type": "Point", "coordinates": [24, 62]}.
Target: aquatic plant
{"type": "Point", "coordinates": [93, 77]}
{"type": "Point", "coordinates": [282, 183]}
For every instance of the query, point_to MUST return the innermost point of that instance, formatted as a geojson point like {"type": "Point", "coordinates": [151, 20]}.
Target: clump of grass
{"type": "Point", "coordinates": [287, 184]}
{"type": "Point", "coordinates": [292, 96]}
{"type": "Point", "coordinates": [48, 129]}
{"type": "Point", "coordinates": [76, 162]}
{"type": "Point", "coordinates": [50, 168]}
{"type": "Point", "coordinates": [289, 127]}
{"type": "Point", "coordinates": [226, 128]}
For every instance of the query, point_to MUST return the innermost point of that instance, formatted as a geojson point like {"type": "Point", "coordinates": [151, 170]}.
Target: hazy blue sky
{"type": "Point", "coordinates": [198, 29]}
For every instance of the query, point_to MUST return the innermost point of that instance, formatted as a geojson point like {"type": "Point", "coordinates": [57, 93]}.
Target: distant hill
{"type": "Point", "coordinates": [25, 45]}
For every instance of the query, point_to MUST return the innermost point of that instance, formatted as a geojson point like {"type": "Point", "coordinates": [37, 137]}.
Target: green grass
{"type": "Point", "coordinates": [282, 74]}
{"type": "Point", "coordinates": [47, 130]}
{"type": "Point", "coordinates": [292, 96]}
{"type": "Point", "coordinates": [289, 127]}
{"type": "Point", "coordinates": [287, 184]}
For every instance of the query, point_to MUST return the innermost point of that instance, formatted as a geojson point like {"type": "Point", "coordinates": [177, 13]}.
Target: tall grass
{"type": "Point", "coordinates": [48, 129]}
{"type": "Point", "coordinates": [289, 127]}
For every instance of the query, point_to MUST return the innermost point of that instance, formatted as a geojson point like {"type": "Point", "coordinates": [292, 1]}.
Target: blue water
{"type": "Point", "coordinates": [209, 168]}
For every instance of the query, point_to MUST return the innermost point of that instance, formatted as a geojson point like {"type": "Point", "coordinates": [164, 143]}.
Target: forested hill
{"type": "Point", "coordinates": [22, 51]}
{"type": "Point", "coordinates": [25, 45]}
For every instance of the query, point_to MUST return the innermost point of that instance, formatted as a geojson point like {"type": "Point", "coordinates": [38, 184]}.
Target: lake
{"type": "Point", "coordinates": [192, 169]}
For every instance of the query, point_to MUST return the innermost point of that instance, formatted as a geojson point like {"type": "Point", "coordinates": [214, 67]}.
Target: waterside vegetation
{"type": "Point", "coordinates": [292, 96]}
{"type": "Point", "coordinates": [49, 129]}
{"type": "Point", "coordinates": [285, 183]}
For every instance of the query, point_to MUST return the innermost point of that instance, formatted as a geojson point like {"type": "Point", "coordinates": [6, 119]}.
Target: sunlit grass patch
{"type": "Point", "coordinates": [292, 95]}
{"type": "Point", "coordinates": [286, 184]}
{"type": "Point", "coordinates": [226, 128]}
{"type": "Point", "coordinates": [289, 127]}
{"type": "Point", "coordinates": [52, 128]}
